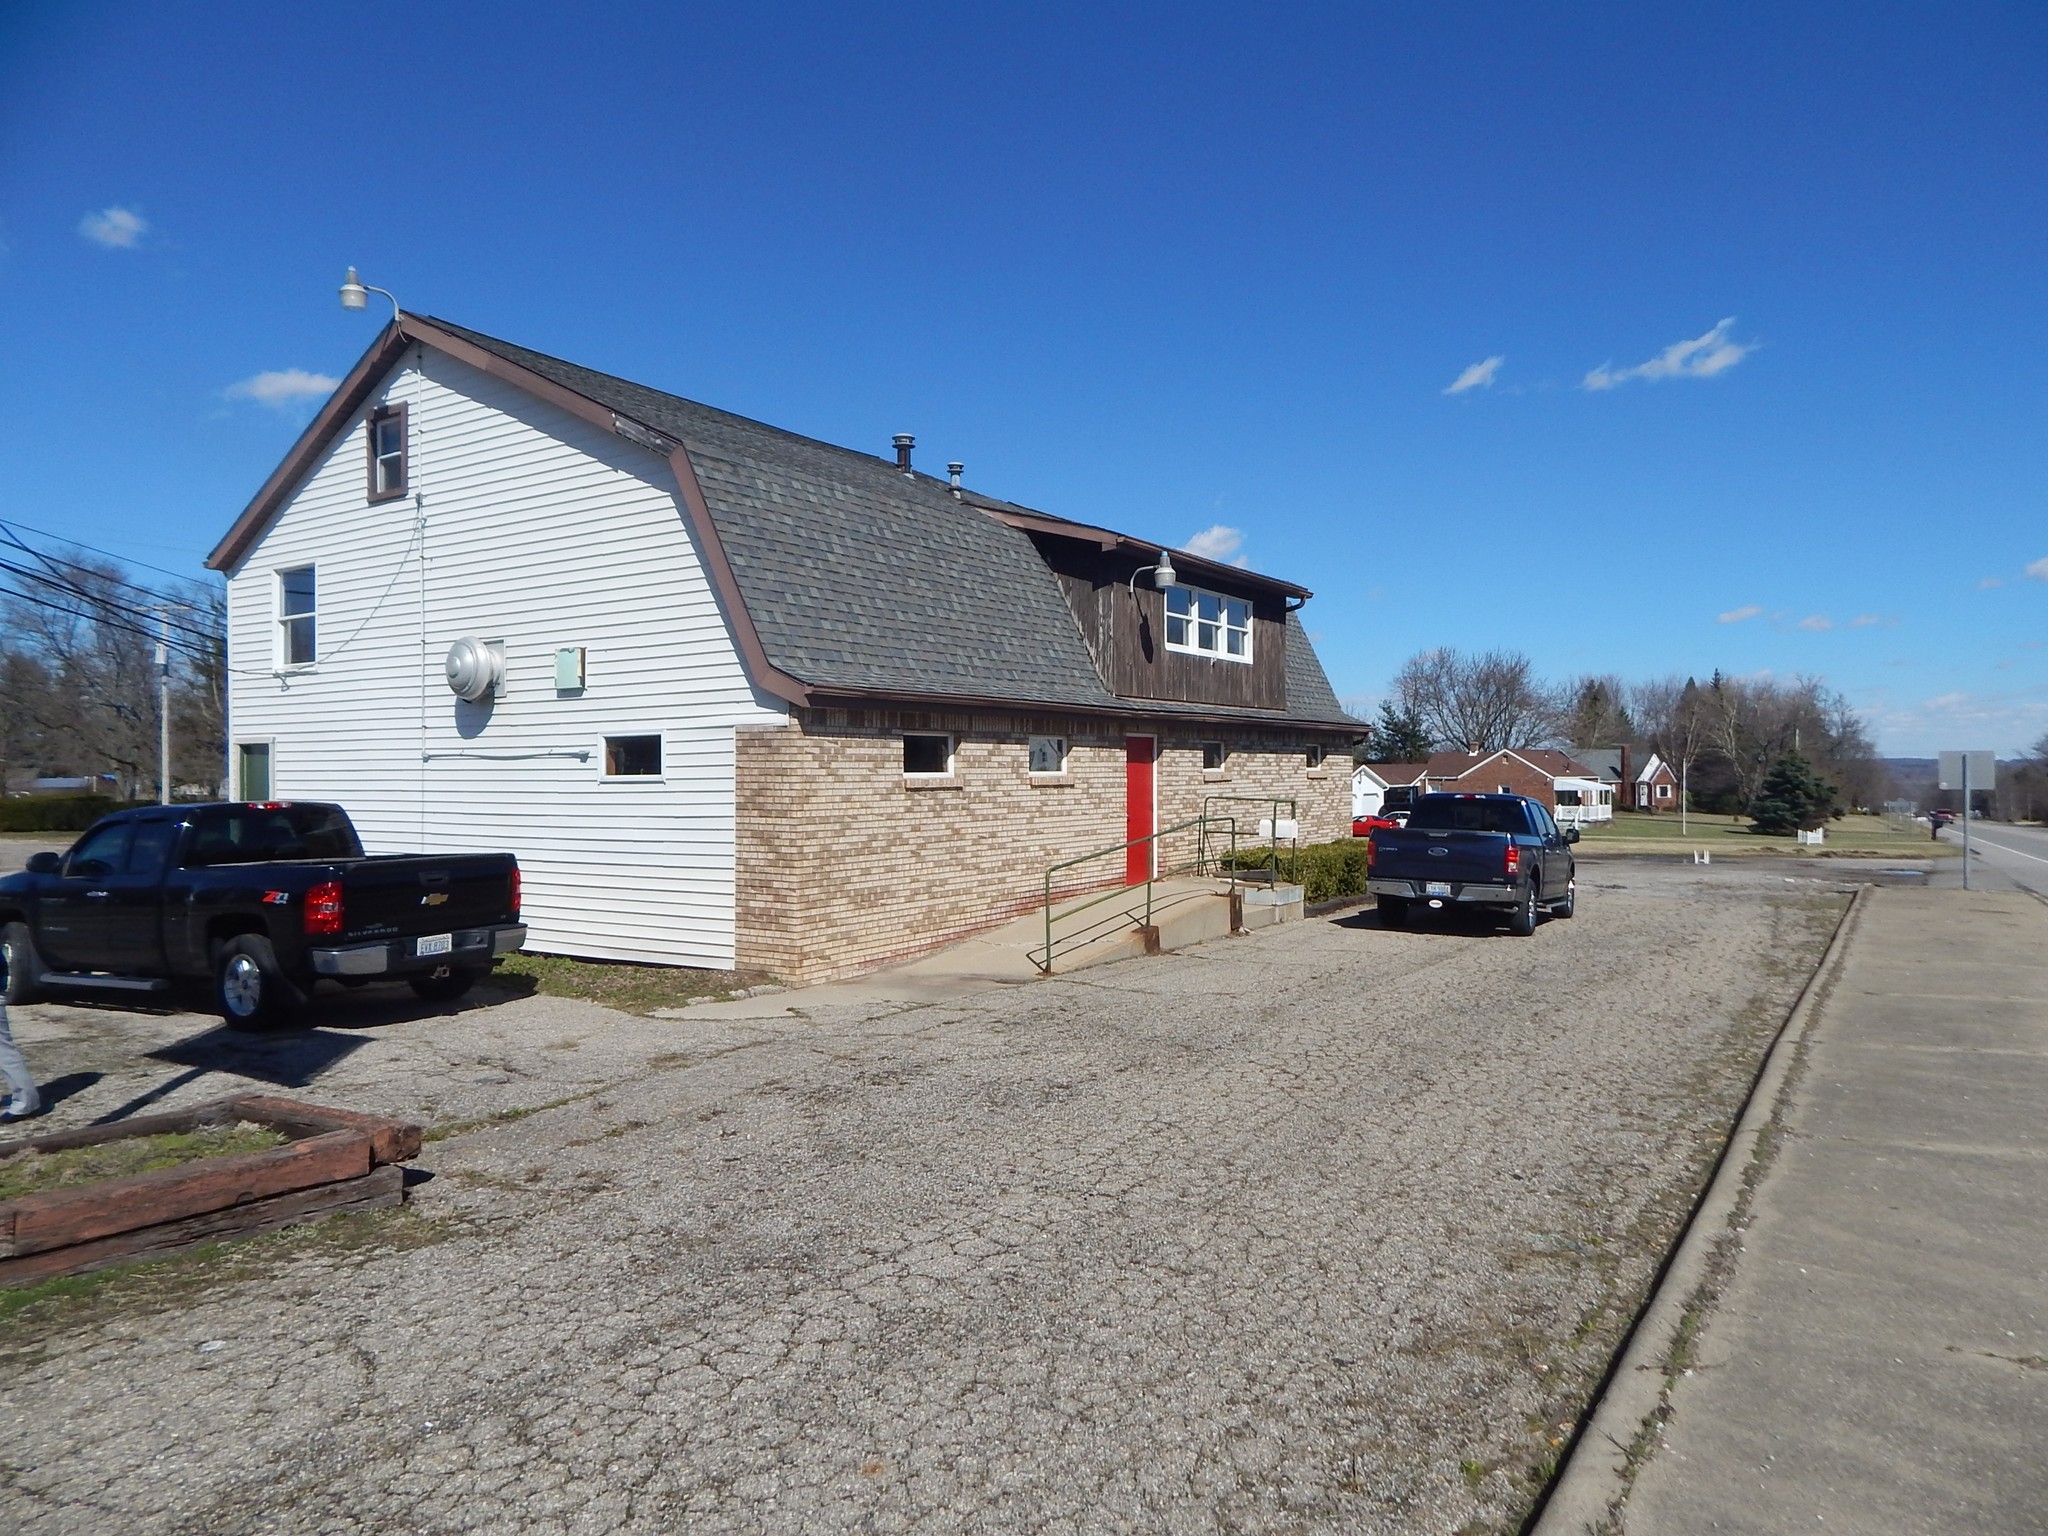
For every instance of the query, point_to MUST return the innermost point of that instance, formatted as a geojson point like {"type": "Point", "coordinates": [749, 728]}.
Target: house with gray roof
{"type": "Point", "coordinates": [733, 696]}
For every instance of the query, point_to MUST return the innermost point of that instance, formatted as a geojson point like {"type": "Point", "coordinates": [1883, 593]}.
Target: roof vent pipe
{"type": "Point", "coordinates": [904, 443]}
{"type": "Point", "coordinates": [953, 471]}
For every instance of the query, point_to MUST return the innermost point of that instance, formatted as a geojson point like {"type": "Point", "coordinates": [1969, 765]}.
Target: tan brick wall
{"type": "Point", "coordinates": [844, 865]}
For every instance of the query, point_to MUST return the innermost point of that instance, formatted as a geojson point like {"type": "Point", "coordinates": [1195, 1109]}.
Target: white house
{"type": "Point", "coordinates": [733, 696]}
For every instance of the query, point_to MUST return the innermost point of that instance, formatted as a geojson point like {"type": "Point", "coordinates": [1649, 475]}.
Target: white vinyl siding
{"type": "Point", "coordinates": [545, 533]}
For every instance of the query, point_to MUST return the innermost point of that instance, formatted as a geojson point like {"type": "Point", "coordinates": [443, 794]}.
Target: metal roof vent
{"type": "Point", "coordinates": [954, 471]}
{"type": "Point", "coordinates": [475, 668]}
{"type": "Point", "coordinates": [904, 443]}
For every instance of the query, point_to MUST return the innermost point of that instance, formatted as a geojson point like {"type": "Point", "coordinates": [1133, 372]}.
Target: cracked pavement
{"type": "Point", "coordinates": [1330, 1228]}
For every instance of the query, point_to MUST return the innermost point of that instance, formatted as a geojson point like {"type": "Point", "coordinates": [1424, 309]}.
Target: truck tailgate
{"type": "Point", "coordinates": [408, 894]}
{"type": "Point", "coordinates": [1461, 857]}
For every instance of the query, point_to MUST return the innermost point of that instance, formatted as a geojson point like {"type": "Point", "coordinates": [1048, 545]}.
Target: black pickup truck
{"type": "Point", "coordinates": [259, 899]}
{"type": "Point", "coordinates": [1499, 851]}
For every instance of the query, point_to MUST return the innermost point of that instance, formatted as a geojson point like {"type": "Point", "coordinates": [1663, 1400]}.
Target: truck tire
{"type": "Point", "coordinates": [444, 989]}
{"type": "Point", "coordinates": [249, 989]}
{"type": "Point", "coordinates": [1393, 911]}
{"type": "Point", "coordinates": [21, 968]}
{"type": "Point", "coordinates": [1523, 921]}
{"type": "Point", "coordinates": [1570, 904]}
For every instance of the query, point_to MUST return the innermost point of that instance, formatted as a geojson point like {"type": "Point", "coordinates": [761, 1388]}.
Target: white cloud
{"type": "Point", "coordinates": [2039, 569]}
{"type": "Point", "coordinates": [1817, 622]}
{"type": "Point", "coordinates": [116, 227]}
{"type": "Point", "coordinates": [1737, 615]}
{"type": "Point", "coordinates": [1700, 358]}
{"type": "Point", "coordinates": [1478, 376]}
{"type": "Point", "coordinates": [283, 388]}
{"type": "Point", "coordinates": [1989, 582]}
{"type": "Point", "coordinates": [1863, 621]}
{"type": "Point", "coordinates": [1216, 542]}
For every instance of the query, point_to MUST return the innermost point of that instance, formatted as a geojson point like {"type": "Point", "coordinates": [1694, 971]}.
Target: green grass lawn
{"type": "Point", "coordinates": [1862, 836]}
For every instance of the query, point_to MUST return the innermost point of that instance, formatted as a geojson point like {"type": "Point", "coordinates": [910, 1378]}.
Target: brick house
{"type": "Point", "coordinates": [1655, 787]}
{"type": "Point", "coordinates": [1541, 773]}
{"type": "Point", "coordinates": [732, 695]}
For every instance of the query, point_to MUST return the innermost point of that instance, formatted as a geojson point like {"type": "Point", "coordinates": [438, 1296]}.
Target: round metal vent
{"type": "Point", "coordinates": [475, 667]}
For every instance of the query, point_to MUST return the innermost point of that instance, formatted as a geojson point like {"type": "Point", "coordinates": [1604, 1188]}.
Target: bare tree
{"type": "Point", "coordinates": [1600, 714]}
{"type": "Point", "coordinates": [1477, 703]}
{"type": "Point", "coordinates": [1674, 721]}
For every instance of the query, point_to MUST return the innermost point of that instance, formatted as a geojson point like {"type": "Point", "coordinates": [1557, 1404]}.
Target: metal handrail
{"type": "Point", "coordinates": [1273, 804]}
{"type": "Point", "coordinates": [1202, 823]}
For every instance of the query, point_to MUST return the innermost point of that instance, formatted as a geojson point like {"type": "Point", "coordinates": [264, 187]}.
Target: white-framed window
{"type": "Point", "coordinates": [1507, 789]}
{"type": "Point", "coordinates": [1208, 624]}
{"type": "Point", "coordinates": [927, 755]}
{"type": "Point", "coordinates": [1048, 754]}
{"type": "Point", "coordinates": [632, 757]}
{"type": "Point", "coordinates": [1663, 791]}
{"type": "Point", "coordinates": [1215, 756]}
{"type": "Point", "coordinates": [252, 770]}
{"type": "Point", "coordinates": [297, 605]}
{"type": "Point", "coordinates": [1314, 756]}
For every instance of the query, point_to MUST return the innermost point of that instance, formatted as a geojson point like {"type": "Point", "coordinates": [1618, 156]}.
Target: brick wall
{"type": "Point", "coordinates": [1488, 777]}
{"type": "Point", "coordinates": [844, 864]}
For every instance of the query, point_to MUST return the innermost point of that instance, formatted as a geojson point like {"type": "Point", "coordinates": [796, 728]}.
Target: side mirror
{"type": "Point", "coordinates": [1571, 834]}
{"type": "Point", "coordinates": [44, 863]}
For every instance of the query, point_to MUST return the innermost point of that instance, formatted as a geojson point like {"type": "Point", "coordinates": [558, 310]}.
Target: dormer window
{"type": "Point", "coordinates": [1208, 624]}
{"type": "Point", "coordinates": [387, 453]}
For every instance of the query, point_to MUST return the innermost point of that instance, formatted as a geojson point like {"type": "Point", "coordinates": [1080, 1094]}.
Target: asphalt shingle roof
{"type": "Point", "coordinates": [860, 577]}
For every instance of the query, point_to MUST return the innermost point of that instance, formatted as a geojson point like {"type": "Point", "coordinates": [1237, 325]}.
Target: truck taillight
{"type": "Point", "coordinates": [515, 893]}
{"type": "Point", "coordinates": [1514, 859]}
{"type": "Point", "coordinates": [323, 909]}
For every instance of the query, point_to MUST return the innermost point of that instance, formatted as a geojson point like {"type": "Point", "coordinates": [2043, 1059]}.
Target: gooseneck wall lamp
{"type": "Point", "coordinates": [355, 293]}
{"type": "Point", "coordinates": [1163, 574]}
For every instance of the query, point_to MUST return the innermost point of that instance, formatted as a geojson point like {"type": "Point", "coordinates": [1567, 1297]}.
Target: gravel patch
{"type": "Point", "coordinates": [1331, 1228]}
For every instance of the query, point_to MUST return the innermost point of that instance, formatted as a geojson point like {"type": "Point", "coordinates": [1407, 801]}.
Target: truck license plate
{"type": "Point", "coordinates": [1429, 888]}
{"type": "Point", "coordinates": [434, 944]}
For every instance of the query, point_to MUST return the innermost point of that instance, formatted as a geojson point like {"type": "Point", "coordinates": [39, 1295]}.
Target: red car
{"type": "Point", "coordinates": [1365, 826]}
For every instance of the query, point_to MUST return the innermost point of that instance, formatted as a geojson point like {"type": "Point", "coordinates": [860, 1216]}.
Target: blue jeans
{"type": "Point", "coordinates": [22, 1097]}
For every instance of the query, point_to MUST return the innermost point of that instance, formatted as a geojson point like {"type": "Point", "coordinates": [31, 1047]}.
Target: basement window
{"type": "Point", "coordinates": [1208, 624]}
{"type": "Point", "coordinates": [632, 757]}
{"type": "Point", "coordinates": [927, 756]}
{"type": "Point", "coordinates": [388, 467]}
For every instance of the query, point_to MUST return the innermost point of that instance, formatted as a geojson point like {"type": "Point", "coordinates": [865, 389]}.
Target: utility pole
{"type": "Point", "coordinates": [163, 612]}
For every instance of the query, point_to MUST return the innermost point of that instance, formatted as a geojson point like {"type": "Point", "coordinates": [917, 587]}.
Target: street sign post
{"type": "Point", "coordinates": [1967, 771]}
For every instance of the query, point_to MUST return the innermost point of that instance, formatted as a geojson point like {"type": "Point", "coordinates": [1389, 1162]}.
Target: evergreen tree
{"type": "Point", "coordinates": [1400, 736]}
{"type": "Point", "coordinates": [1793, 798]}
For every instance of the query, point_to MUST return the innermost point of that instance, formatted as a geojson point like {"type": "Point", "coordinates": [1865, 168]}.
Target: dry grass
{"type": "Point", "coordinates": [26, 1173]}
{"type": "Point", "coordinates": [620, 984]}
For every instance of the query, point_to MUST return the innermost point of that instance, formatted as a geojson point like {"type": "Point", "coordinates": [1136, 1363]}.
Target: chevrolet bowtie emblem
{"type": "Point", "coordinates": [433, 898]}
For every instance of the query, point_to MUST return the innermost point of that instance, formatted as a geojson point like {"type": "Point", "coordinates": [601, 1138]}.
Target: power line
{"type": "Point", "coordinates": [91, 550]}
{"type": "Point", "coordinates": [185, 648]}
{"type": "Point", "coordinates": [53, 561]}
{"type": "Point", "coordinates": [99, 601]}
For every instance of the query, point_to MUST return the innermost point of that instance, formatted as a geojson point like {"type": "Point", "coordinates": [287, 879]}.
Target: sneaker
{"type": "Point", "coordinates": [16, 1110]}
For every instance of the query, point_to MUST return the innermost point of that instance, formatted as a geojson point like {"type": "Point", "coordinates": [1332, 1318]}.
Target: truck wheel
{"type": "Point", "coordinates": [21, 968]}
{"type": "Point", "coordinates": [1523, 922]}
{"type": "Point", "coordinates": [249, 989]}
{"type": "Point", "coordinates": [444, 989]}
{"type": "Point", "coordinates": [1570, 904]}
{"type": "Point", "coordinates": [1393, 911]}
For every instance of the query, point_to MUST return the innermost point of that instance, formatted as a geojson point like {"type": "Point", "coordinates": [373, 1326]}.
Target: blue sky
{"type": "Point", "coordinates": [1765, 286]}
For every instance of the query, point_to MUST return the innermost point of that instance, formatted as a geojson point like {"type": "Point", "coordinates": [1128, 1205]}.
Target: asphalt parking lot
{"type": "Point", "coordinates": [1327, 1228]}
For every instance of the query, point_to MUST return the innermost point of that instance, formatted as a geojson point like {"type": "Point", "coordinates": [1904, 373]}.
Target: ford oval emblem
{"type": "Point", "coordinates": [1439, 853]}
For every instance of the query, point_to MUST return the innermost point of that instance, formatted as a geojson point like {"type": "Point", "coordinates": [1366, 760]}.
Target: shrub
{"type": "Point", "coordinates": [1793, 798]}
{"type": "Point", "coordinates": [1324, 871]}
{"type": "Point", "coordinates": [57, 813]}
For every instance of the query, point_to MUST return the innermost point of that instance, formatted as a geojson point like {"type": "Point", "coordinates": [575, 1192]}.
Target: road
{"type": "Point", "coordinates": [2016, 853]}
{"type": "Point", "coordinates": [1331, 1228]}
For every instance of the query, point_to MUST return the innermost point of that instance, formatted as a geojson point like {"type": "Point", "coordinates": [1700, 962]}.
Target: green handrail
{"type": "Point", "coordinates": [1272, 804]}
{"type": "Point", "coordinates": [1201, 823]}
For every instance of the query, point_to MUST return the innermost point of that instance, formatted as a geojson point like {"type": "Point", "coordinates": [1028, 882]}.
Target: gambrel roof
{"type": "Point", "coordinates": [844, 578]}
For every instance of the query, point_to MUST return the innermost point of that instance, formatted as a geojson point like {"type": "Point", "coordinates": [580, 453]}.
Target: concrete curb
{"type": "Point", "coordinates": [1595, 1476]}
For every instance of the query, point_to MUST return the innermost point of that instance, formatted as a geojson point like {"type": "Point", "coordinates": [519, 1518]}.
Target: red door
{"type": "Point", "coordinates": [1140, 753]}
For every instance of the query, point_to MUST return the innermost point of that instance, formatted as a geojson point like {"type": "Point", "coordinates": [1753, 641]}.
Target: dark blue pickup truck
{"type": "Point", "coordinates": [1463, 851]}
{"type": "Point", "coordinates": [261, 899]}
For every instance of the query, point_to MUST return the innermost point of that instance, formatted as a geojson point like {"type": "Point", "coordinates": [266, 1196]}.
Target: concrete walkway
{"type": "Point", "coordinates": [1878, 1359]}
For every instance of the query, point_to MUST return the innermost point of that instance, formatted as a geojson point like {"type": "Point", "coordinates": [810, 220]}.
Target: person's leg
{"type": "Point", "coordinates": [23, 1099]}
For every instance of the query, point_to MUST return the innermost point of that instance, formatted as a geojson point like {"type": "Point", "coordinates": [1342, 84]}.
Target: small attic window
{"type": "Point", "coordinates": [388, 467]}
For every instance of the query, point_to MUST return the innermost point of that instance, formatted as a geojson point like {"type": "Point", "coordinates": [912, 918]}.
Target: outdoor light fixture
{"type": "Point", "coordinates": [1163, 574]}
{"type": "Point", "coordinates": [355, 293]}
